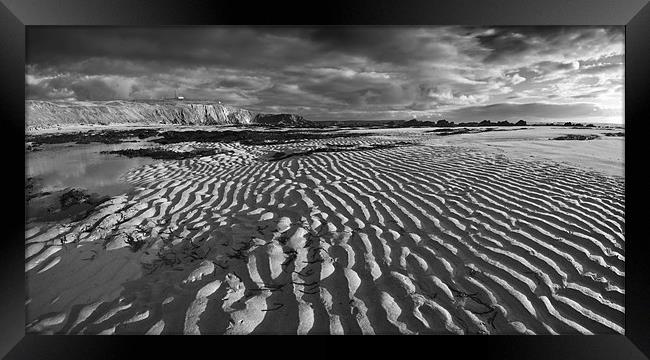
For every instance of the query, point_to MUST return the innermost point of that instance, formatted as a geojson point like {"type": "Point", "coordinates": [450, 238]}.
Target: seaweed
{"type": "Point", "coordinates": [247, 137]}
{"type": "Point", "coordinates": [576, 137]}
{"type": "Point", "coordinates": [163, 154]}
{"type": "Point", "coordinates": [86, 137]}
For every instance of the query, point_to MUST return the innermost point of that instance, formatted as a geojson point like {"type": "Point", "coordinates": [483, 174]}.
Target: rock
{"type": "Point", "coordinates": [576, 137]}
{"type": "Point", "coordinates": [620, 133]}
{"type": "Point", "coordinates": [291, 120]}
{"type": "Point", "coordinates": [43, 114]}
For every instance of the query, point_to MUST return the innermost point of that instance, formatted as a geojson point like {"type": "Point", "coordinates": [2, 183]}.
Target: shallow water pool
{"type": "Point", "coordinates": [59, 166]}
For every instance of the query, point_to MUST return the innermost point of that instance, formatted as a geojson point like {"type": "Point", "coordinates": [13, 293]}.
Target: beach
{"type": "Point", "coordinates": [389, 231]}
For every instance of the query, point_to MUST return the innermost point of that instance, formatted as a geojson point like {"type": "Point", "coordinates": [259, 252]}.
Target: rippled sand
{"type": "Point", "coordinates": [414, 239]}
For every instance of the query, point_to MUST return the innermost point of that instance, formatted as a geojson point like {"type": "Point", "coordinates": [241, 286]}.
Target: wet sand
{"type": "Point", "coordinates": [440, 236]}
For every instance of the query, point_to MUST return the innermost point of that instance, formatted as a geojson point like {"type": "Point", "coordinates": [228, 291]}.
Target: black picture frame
{"type": "Point", "coordinates": [15, 15]}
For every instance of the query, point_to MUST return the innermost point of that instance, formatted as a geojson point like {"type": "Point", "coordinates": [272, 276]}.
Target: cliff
{"type": "Point", "coordinates": [45, 114]}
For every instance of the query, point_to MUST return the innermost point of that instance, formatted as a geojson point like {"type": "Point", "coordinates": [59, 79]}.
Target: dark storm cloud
{"type": "Point", "coordinates": [231, 46]}
{"type": "Point", "coordinates": [93, 89]}
{"type": "Point", "coordinates": [508, 42]}
{"type": "Point", "coordinates": [391, 45]}
{"type": "Point", "coordinates": [330, 72]}
{"type": "Point", "coordinates": [188, 46]}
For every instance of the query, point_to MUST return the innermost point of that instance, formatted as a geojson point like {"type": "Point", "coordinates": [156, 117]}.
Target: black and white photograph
{"type": "Point", "coordinates": [325, 180]}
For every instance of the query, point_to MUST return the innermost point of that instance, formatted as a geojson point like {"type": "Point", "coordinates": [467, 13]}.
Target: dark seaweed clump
{"type": "Point", "coordinates": [576, 137]}
{"type": "Point", "coordinates": [73, 197]}
{"type": "Point", "coordinates": [246, 137]}
{"type": "Point", "coordinates": [445, 132]}
{"type": "Point", "coordinates": [67, 204]}
{"type": "Point", "coordinates": [615, 134]}
{"type": "Point", "coordinates": [456, 131]}
{"type": "Point", "coordinates": [87, 137]}
{"type": "Point", "coordinates": [163, 154]}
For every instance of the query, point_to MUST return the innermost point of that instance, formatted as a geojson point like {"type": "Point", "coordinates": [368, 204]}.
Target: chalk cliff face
{"type": "Point", "coordinates": [44, 114]}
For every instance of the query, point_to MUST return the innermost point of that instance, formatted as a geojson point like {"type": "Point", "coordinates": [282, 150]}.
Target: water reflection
{"type": "Point", "coordinates": [60, 166]}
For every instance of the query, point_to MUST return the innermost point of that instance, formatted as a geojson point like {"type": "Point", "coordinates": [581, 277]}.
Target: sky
{"type": "Point", "coordinates": [457, 73]}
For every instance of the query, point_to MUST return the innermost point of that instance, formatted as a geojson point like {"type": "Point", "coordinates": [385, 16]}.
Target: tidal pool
{"type": "Point", "coordinates": [60, 166]}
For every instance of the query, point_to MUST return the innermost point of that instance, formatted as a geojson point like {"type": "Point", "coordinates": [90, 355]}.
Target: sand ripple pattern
{"type": "Point", "coordinates": [410, 240]}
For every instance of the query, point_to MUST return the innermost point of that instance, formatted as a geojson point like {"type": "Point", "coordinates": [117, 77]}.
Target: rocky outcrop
{"type": "Point", "coordinates": [45, 114]}
{"type": "Point", "coordinates": [282, 120]}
